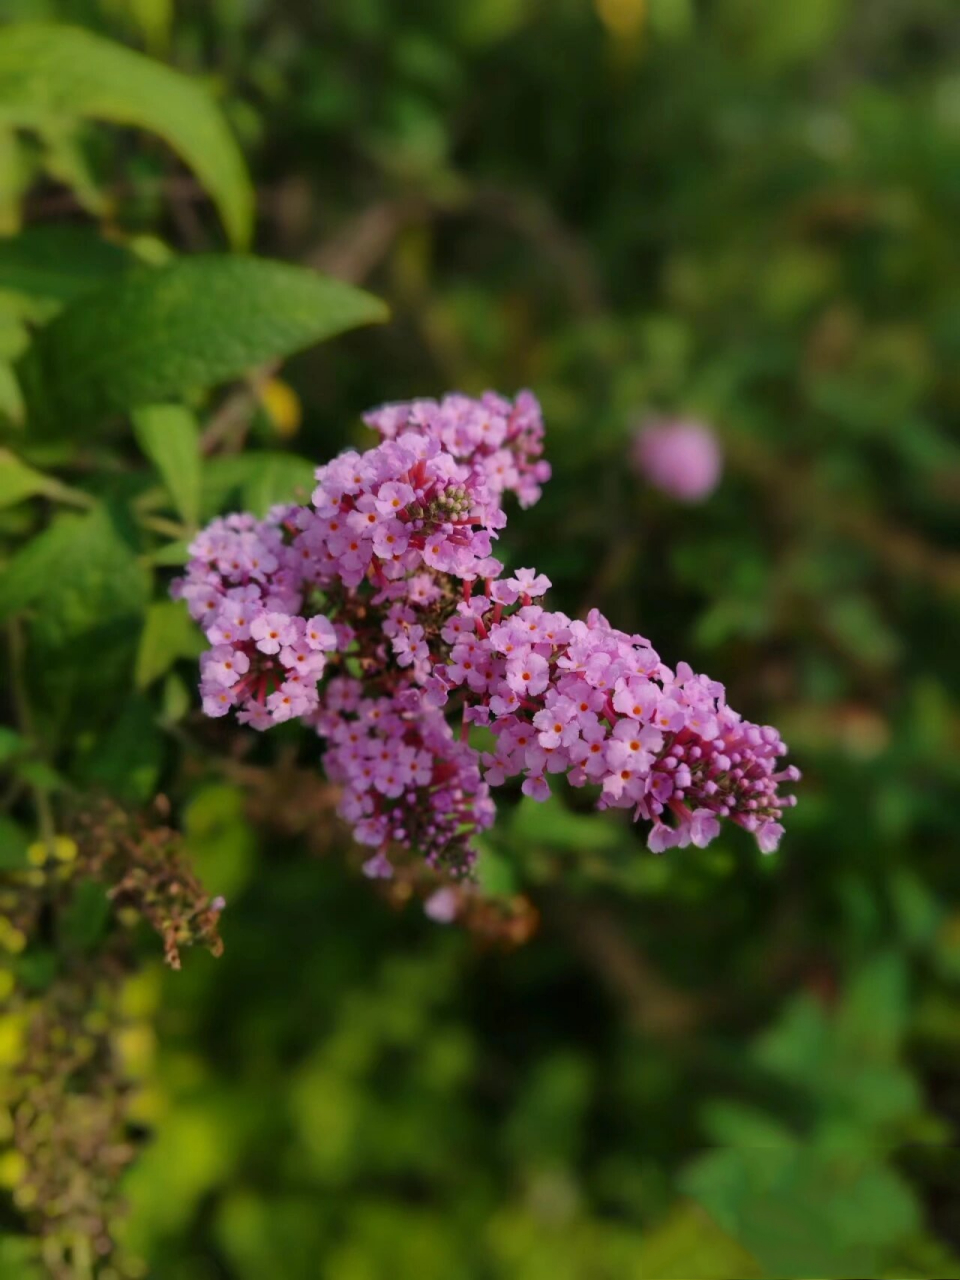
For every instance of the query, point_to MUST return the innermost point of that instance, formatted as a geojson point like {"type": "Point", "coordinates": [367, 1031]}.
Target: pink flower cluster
{"type": "Point", "coordinates": [403, 506]}
{"type": "Point", "coordinates": [379, 616]}
{"type": "Point", "coordinates": [406, 779]}
{"type": "Point", "coordinates": [591, 702]}
{"type": "Point", "coordinates": [245, 586]}
{"type": "Point", "coordinates": [502, 441]}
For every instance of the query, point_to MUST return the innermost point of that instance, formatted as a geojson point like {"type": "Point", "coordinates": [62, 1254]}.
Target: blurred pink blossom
{"type": "Point", "coordinates": [681, 458]}
{"type": "Point", "coordinates": [442, 906]}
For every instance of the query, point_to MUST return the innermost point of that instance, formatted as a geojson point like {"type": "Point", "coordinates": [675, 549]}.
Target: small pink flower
{"type": "Point", "coordinates": [527, 673]}
{"type": "Point", "coordinates": [441, 906]}
{"type": "Point", "coordinates": [272, 631]}
{"type": "Point", "coordinates": [319, 633]}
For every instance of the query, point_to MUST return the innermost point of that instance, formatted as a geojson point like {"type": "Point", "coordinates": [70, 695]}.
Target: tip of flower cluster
{"type": "Point", "coordinates": [499, 439]}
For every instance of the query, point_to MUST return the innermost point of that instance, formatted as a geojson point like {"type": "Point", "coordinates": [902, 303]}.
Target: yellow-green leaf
{"type": "Point", "coordinates": [51, 73]}
{"type": "Point", "coordinates": [169, 436]}
{"type": "Point", "coordinates": [168, 633]}
{"type": "Point", "coordinates": [690, 1243]}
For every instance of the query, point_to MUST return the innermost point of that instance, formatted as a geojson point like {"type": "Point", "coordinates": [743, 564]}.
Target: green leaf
{"type": "Point", "coordinates": [550, 824]}
{"type": "Point", "coordinates": [169, 633]}
{"type": "Point", "coordinates": [85, 917]}
{"type": "Point", "coordinates": [802, 1212]}
{"type": "Point", "coordinates": [58, 263]}
{"type": "Point", "coordinates": [690, 1243]}
{"type": "Point", "coordinates": [50, 73]}
{"type": "Point", "coordinates": [171, 553]}
{"type": "Point", "coordinates": [220, 838]}
{"type": "Point", "coordinates": [11, 744]}
{"type": "Point", "coordinates": [256, 481]}
{"type": "Point", "coordinates": [159, 333]}
{"type": "Point", "coordinates": [36, 968]}
{"type": "Point", "coordinates": [496, 874]}
{"type": "Point", "coordinates": [169, 436]}
{"type": "Point", "coordinates": [127, 757]}
{"type": "Point", "coordinates": [13, 846]}
{"type": "Point", "coordinates": [78, 575]}
{"type": "Point", "coordinates": [19, 481]}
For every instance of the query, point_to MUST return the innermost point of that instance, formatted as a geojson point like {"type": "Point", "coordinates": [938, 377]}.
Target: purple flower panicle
{"type": "Point", "coordinates": [591, 702]}
{"type": "Point", "coordinates": [378, 615]}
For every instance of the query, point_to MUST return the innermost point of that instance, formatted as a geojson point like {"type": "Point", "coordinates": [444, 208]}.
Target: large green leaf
{"type": "Point", "coordinates": [58, 263]}
{"type": "Point", "coordinates": [168, 434]}
{"type": "Point", "coordinates": [50, 73]}
{"type": "Point", "coordinates": [161, 332]}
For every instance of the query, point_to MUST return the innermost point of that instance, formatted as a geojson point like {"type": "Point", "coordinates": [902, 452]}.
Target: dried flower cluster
{"type": "Point", "coordinates": [379, 616]}
{"type": "Point", "coordinates": [146, 874]}
{"type": "Point", "coordinates": [65, 1133]}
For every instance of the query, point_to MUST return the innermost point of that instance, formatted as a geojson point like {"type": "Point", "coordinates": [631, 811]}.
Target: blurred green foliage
{"type": "Point", "coordinates": [705, 1064]}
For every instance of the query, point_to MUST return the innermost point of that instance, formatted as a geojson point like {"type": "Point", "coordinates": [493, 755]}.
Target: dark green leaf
{"type": "Point", "coordinates": [84, 919]}
{"type": "Point", "coordinates": [36, 968]}
{"type": "Point", "coordinates": [11, 744]}
{"type": "Point", "coordinates": [58, 263]}
{"type": "Point", "coordinates": [194, 323]}
{"type": "Point", "coordinates": [126, 759]}
{"type": "Point", "coordinates": [13, 845]}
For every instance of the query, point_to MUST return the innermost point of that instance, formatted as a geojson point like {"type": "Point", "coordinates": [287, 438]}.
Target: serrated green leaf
{"type": "Point", "coordinates": [50, 72]}
{"type": "Point", "coordinates": [256, 481]}
{"type": "Point", "coordinates": [59, 262]}
{"type": "Point", "coordinates": [169, 633]}
{"type": "Point", "coordinates": [169, 436]}
{"type": "Point", "coordinates": [159, 333]}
